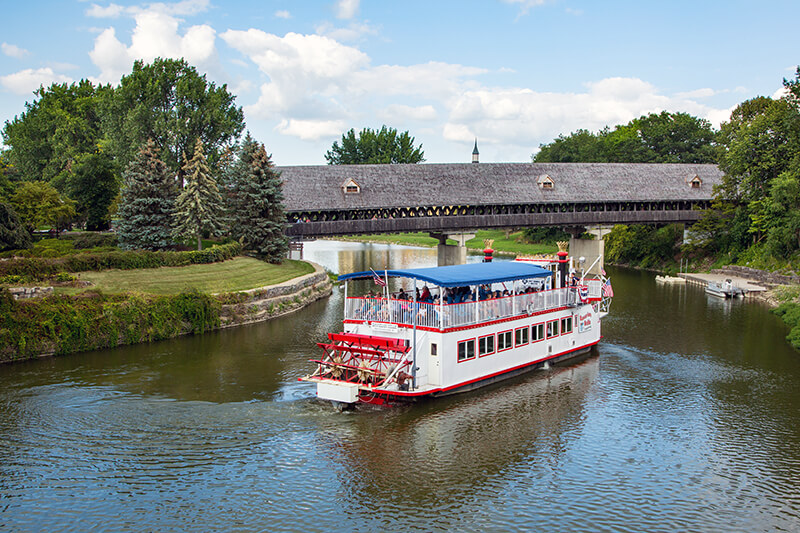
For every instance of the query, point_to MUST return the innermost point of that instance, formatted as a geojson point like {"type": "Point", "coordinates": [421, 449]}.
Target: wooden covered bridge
{"type": "Point", "coordinates": [329, 200]}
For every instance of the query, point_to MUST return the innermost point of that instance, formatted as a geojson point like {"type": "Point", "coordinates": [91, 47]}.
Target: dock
{"type": "Point", "coordinates": [747, 285]}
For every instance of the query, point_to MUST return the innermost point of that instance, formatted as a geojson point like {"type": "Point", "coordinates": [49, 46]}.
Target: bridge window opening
{"type": "Point", "coordinates": [466, 350]}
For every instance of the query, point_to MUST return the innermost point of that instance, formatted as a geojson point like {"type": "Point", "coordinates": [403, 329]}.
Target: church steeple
{"type": "Point", "coordinates": [475, 152]}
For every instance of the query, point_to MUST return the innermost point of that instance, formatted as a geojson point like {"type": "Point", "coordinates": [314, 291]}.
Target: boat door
{"type": "Point", "coordinates": [434, 369]}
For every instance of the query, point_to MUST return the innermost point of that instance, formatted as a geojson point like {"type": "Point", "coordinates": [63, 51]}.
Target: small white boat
{"type": "Point", "coordinates": [670, 279]}
{"type": "Point", "coordinates": [726, 289]}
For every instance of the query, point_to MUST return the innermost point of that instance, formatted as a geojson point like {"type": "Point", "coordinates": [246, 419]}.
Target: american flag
{"type": "Point", "coordinates": [608, 292]}
{"type": "Point", "coordinates": [378, 280]}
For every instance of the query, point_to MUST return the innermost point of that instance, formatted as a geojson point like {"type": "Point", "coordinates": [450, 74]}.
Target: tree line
{"type": "Point", "coordinates": [755, 216]}
{"type": "Point", "coordinates": [162, 152]}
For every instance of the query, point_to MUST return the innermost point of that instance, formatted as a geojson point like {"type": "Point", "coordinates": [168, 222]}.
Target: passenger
{"type": "Point", "coordinates": [402, 294]}
{"type": "Point", "coordinates": [426, 295]}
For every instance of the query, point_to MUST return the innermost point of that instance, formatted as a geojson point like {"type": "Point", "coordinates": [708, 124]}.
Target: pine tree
{"type": "Point", "coordinates": [146, 204]}
{"type": "Point", "coordinates": [199, 206]}
{"type": "Point", "coordinates": [256, 203]}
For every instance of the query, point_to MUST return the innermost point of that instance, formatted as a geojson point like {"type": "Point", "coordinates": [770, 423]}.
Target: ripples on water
{"type": "Point", "coordinates": [651, 433]}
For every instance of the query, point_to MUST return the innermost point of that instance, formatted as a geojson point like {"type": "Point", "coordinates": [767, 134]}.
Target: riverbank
{"type": "Point", "coordinates": [62, 324]}
{"type": "Point", "coordinates": [503, 242]}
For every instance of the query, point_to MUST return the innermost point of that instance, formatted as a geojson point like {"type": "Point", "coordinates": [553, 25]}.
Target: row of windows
{"type": "Point", "coordinates": [505, 340]}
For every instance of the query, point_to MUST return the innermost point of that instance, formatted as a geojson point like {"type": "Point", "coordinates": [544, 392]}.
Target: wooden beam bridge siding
{"type": "Point", "coordinates": [456, 197]}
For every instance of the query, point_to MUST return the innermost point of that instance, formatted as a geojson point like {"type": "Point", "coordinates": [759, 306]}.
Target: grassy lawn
{"type": "Point", "coordinates": [237, 274]}
{"type": "Point", "coordinates": [512, 244]}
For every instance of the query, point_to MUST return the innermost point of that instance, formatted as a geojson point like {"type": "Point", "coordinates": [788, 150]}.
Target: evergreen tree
{"type": "Point", "coordinates": [257, 215]}
{"type": "Point", "coordinates": [147, 202]}
{"type": "Point", "coordinates": [13, 235]}
{"type": "Point", "coordinates": [199, 206]}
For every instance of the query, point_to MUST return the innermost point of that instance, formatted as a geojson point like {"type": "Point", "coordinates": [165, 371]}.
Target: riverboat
{"type": "Point", "coordinates": [459, 328]}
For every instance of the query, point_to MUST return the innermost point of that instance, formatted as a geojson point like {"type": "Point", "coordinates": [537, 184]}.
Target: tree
{"type": "Point", "coordinates": [199, 206]}
{"type": "Point", "coordinates": [62, 123]}
{"type": "Point", "coordinates": [38, 204]}
{"type": "Point", "coordinates": [147, 203]}
{"type": "Point", "coordinates": [169, 102]}
{"type": "Point", "coordinates": [655, 138]}
{"type": "Point", "coordinates": [256, 203]}
{"type": "Point", "coordinates": [375, 147]}
{"type": "Point", "coordinates": [93, 185]}
{"type": "Point", "coordinates": [13, 235]}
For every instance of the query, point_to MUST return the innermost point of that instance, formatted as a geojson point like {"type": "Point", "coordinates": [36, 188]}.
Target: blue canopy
{"type": "Point", "coordinates": [462, 275]}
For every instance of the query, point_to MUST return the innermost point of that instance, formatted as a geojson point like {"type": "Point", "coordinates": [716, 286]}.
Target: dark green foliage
{"type": "Point", "coordinates": [13, 235]}
{"type": "Point", "coordinates": [256, 203]}
{"type": "Point", "coordinates": [655, 138]}
{"type": "Point", "coordinates": [62, 123]}
{"type": "Point", "coordinates": [545, 234]}
{"type": "Point", "coordinates": [147, 203]}
{"type": "Point", "coordinates": [67, 324]}
{"type": "Point", "coordinates": [169, 102]}
{"type": "Point", "coordinates": [199, 208]}
{"type": "Point", "coordinates": [790, 314]}
{"type": "Point", "coordinates": [375, 147]}
{"type": "Point", "coordinates": [645, 246]}
{"type": "Point", "coordinates": [85, 240]}
{"type": "Point", "coordinates": [93, 185]}
{"type": "Point", "coordinates": [42, 268]}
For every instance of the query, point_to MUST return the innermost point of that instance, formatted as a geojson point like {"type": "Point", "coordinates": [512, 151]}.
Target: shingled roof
{"type": "Point", "coordinates": [320, 188]}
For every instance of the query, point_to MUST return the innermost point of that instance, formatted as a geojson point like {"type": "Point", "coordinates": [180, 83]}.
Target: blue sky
{"type": "Point", "coordinates": [513, 73]}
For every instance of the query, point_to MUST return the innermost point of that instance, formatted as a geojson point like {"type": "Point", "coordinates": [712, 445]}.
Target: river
{"type": "Point", "coordinates": [685, 419]}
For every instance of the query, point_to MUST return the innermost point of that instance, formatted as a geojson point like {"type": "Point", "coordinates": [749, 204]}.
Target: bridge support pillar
{"type": "Point", "coordinates": [589, 250]}
{"type": "Point", "coordinates": [452, 254]}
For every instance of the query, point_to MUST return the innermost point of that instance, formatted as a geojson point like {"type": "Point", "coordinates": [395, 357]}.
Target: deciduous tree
{"type": "Point", "coordinates": [375, 147]}
{"type": "Point", "coordinates": [38, 204]}
{"type": "Point", "coordinates": [93, 184]}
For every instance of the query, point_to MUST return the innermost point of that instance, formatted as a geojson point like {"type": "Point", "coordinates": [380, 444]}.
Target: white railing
{"type": "Point", "coordinates": [437, 316]}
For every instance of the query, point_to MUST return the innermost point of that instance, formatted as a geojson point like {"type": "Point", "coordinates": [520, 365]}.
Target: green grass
{"type": "Point", "coordinates": [511, 244]}
{"type": "Point", "coordinates": [237, 274]}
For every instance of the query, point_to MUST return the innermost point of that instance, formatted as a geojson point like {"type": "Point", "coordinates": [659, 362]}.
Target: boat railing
{"type": "Point", "coordinates": [433, 315]}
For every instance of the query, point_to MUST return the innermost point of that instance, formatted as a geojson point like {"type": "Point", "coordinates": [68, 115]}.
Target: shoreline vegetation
{"type": "Point", "coordinates": [216, 288]}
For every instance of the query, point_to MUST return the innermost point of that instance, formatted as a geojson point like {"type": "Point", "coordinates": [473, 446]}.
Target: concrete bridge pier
{"type": "Point", "coordinates": [452, 254]}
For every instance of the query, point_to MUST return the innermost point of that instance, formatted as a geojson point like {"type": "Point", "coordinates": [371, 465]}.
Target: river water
{"type": "Point", "coordinates": [685, 419]}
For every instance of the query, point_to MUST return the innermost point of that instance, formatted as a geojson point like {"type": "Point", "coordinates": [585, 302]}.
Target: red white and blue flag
{"type": "Point", "coordinates": [608, 292]}
{"type": "Point", "coordinates": [378, 280]}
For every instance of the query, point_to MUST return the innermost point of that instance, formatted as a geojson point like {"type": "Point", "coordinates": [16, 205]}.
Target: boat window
{"type": "Point", "coordinates": [566, 325]}
{"type": "Point", "coordinates": [466, 350]}
{"type": "Point", "coordinates": [552, 328]}
{"type": "Point", "coordinates": [504, 341]}
{"type": "Point", "coordinates": [434, 349]}
{"type": "Point", "coordinates": [537, 332]}
{"type": "Point", "coordinates": [485, 345]}
{"type": "Point", "coordinates": [521, 336]}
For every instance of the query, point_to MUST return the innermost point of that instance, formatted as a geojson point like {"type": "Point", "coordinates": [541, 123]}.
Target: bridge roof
{"type": "Point", "coordinates": [322, 187]}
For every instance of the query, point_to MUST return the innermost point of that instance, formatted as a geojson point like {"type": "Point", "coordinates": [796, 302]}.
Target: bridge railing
{"type": "Point", "coordinates": [433, 315]}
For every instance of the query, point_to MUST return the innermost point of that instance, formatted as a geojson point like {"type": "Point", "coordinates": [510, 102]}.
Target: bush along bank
{"type": "Point", "coordinates": [31, 269]}
{"type": "Point", "coordinates": [60, 324]}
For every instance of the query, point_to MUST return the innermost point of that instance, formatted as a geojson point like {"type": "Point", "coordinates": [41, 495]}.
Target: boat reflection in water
{"type": "Point", "coordinates": [440, 450]}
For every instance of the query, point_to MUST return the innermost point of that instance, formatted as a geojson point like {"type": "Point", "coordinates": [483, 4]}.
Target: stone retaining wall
{"type": "Point", "coordinates": [21, 293]}
{"type": "Point", "coordinates": [762, 276]}
{"type": "Point", "coordinates": [257, 305]}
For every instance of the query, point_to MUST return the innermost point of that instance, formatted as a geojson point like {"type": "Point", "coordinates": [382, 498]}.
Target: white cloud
{"type": "Point", "coordinates": [522, 117]}
{"type": "Point", "coordinates": [110, 11]}
{"type": "Point", "coordinates": [354, 32]}
{"type": "Point", "coordinates": [346, 9]}
{"type": "Point", "coordinates": [396, 113]}
{"type": "Point", "coordinates": [28, 80]}
{"type": "Point", "coordinates": [697, 93]}
{"type": "Point", "coordinates": [12, 50]}
{"type": "Point", "coordinates": [156, 34]}
{"type": "Point", "coordinates": [311, 130]}
{"type": "Point", "coordinates": [283, 14]}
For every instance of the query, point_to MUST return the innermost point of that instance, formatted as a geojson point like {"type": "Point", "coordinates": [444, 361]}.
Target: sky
{"type": "Point", "coordinates": [513, 74]}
